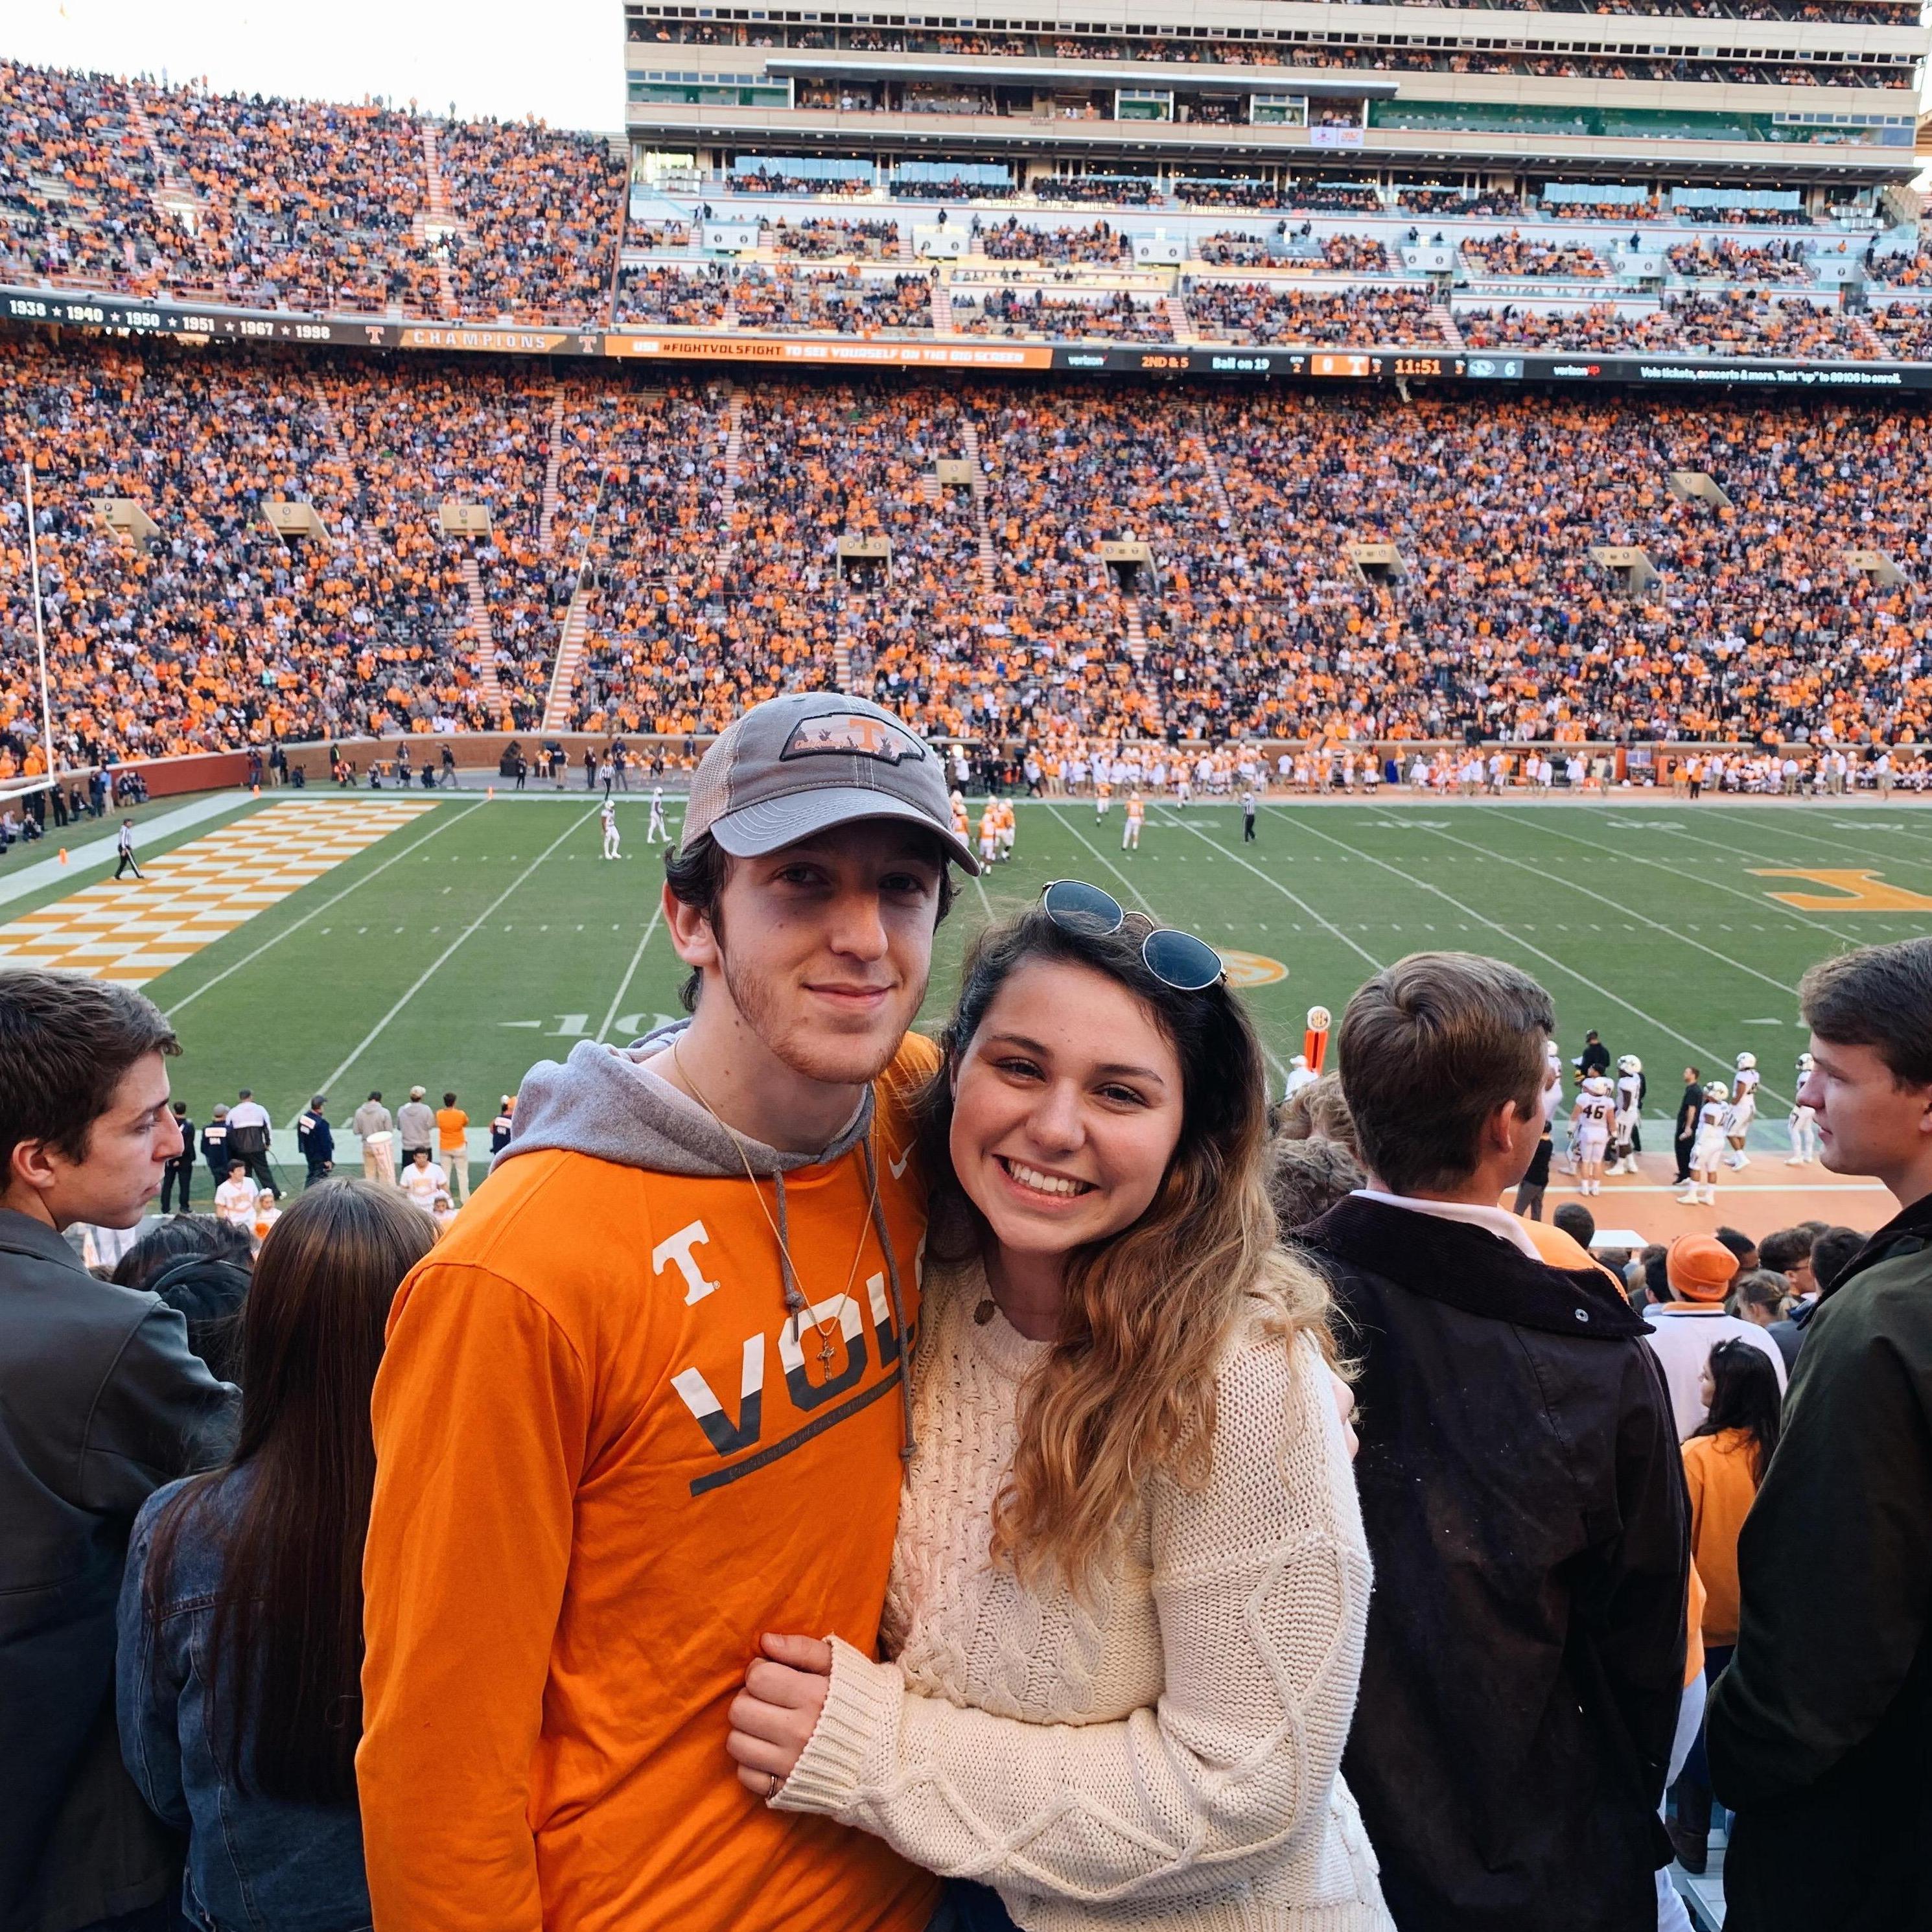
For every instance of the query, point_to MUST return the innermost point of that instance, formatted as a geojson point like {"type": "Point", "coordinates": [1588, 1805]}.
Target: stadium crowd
{"type": "Point", "coordinates": [1248, 616]}
{"type": "Point", "coordinates": [305, 205]}
{"type": "Point", "coordinates": [334, 1530]}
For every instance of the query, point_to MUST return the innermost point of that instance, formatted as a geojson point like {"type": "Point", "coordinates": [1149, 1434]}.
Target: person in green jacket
{"type": "Point", "coordinates": [1818, 1731]}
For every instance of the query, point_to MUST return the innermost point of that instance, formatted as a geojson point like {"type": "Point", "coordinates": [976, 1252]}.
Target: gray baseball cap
{"type": "Point", "coordinates": [802, 763]}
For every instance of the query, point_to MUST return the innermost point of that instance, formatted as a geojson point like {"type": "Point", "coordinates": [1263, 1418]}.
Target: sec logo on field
{"type": "Point", "coordinates": [1252, 969]}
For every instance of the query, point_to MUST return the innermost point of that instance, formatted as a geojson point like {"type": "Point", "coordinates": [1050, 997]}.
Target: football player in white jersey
{"type": "Point", "coordinates": [1803, 1122]}
{"type": "Point", "coordinates": [1707, 1149]}
{"type": "Point", "coordinates": [1625, 1136]}
{"type": "Point", "coordinates": [1591, 1117]}
{"type": "Point", "coordinates": [608, 817]}
{"type": "Point", "coordinates": [1743, 1110]}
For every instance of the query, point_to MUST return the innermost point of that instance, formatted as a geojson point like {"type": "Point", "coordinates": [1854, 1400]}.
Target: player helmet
{"type": "Point", "coordinates": [1716, 1091]}
{"type": "Point", "coordinates": [1805, 1062]}
{"type": "Point", "coordinates": [1629, 1063]}
{"type": "Point", "coordinates": [1596, 1084]}
{"type": "Point", "coordinates": [1746, 1061]}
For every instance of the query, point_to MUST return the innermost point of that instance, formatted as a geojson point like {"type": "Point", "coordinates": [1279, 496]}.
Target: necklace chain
{"type": "Point", "coordinates": [826, 1332]}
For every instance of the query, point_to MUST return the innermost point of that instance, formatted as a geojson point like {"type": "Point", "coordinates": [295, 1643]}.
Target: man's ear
{"type": "Point", "coordinates": [691, 937]}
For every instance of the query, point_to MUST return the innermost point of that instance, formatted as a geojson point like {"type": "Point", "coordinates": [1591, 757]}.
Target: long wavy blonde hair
{"type": "Point", "coordinates": [1129, 1387]}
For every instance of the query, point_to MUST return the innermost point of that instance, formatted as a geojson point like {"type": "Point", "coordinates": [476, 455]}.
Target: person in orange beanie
{"type": "Point", "coordinates": [1684, 1330]}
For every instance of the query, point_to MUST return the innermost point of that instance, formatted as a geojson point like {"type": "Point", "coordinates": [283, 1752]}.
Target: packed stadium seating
{"type": "Point", "coordinates": [706, 582]}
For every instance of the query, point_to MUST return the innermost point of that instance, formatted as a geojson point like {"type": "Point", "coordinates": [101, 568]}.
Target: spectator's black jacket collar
{"type": "Point", "coordinates": [1908, 1232]}
{"type": "Point", "coordinates": [1470, 1269]}
{"type": "Point", "coordinates": [21, 1234]}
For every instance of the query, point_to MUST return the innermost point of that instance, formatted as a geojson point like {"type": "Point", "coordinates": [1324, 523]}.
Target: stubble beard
{"type": "Point", "coordinates": [835, 1060]}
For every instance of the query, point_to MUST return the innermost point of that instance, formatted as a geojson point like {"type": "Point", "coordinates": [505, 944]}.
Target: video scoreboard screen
{"type": "Point", "coordinates": [125, 315]}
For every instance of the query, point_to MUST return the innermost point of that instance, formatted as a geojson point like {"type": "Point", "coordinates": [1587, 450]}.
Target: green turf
{"type": "Point", "coordinates": [484, 936]}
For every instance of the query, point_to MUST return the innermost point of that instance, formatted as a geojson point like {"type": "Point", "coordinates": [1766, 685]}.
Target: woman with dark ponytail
{"type": "Point", "coordinates": [240, 1624]}
{"type": "Point", "coordinates": [1724, 1462]}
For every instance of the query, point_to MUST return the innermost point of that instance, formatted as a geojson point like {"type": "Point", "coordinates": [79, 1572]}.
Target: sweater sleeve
{"type": "Point", "coordinates": [481, 1414]}
{"type": "Point", "coordinates": [1260, 1581]}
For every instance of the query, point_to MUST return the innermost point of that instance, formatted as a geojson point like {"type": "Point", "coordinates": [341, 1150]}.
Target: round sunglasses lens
{"type": "Point", "coordinates": [1079, 906]}
{"type": "Point", "coordinates": [1180, 960]}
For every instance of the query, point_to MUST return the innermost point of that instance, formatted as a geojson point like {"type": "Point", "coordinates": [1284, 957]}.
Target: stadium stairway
{"type": "Point", "coordinates": [437, 213]}
{"type": "Point", "coordinates": [553, 462]}
{"type": "Point", "coordinates": [908, 254]}
{"type": "Point", "coordinates": [483, 665]}
{"type": "Point", "coordinates": [1136, 633]}
{"type": "Point", "coordinates": [331, 434]}
{"type": "Point", "coordinates": [734, 457]}
{"type": "Point", "coordinates": [1217, 484]}
{"type": "Point", "coordinates": [570, 650]}
{"type": "Point", "coordinates": [1179, 319]}
{"type": "Point", "coordinates": [174, 195]}
{"type": "Point", "coordinates": [1438, 313]}
{"type": "Point", "coordinates": [942, 306]}
{"type": "Point", "coordinates": [1868, 336]}
{"type": "Point", "coordinates": [969, 439]}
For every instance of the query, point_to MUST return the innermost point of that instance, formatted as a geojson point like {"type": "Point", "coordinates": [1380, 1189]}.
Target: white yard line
{"type": "Point", "coordinates": [1729, 813]}
{"type": "Point", "coordinates": [443, 958]}
{"type": "Point", "coordinates": [1763, 901]}
{"type": "Point", "coordinates": [98, 852]}
{"type": "Point", "coordinates": [1549, 958]}
{"type": "Point", "coordinates": [1147, 906]}
{"type": "Point", "coordinates": [1328, 925]}
{"type": "Point", "coordinates": [1593, 892]}
{"type": "Point", "coordinates": [624, 985]}
{"type": "Point", "coordinates": [444, 821]}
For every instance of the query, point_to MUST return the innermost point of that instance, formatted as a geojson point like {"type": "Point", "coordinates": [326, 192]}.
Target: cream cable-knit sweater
{"type": "Point", "coordinates": [1166, 1754]}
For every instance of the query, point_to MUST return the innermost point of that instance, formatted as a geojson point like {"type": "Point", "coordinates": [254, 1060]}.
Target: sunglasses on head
{"type": "Point", "coordinates": [1176, 959]}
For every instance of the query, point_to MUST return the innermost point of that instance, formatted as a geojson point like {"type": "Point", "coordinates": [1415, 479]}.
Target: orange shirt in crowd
{"type": "Point", "coordinates": [1718, 1470]}
{"type": "Point", "coordinates": [452, 1124]}
{"type": "Point", "coordinates": [605, 1466]}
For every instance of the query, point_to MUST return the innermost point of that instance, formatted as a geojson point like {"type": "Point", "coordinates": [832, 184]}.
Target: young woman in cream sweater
{"type": "Point", "coordinates": [1130, 1586]}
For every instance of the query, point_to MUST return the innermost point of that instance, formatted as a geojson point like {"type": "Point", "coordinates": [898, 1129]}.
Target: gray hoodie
{"type": "Point", "coordinates": [604, 1102]}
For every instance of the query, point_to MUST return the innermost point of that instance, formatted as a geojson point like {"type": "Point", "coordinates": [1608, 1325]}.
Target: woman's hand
{"type": "Point", "coordinates": [772, 1718]}
{"type": "Point", "coordinates": [1344, 1399]}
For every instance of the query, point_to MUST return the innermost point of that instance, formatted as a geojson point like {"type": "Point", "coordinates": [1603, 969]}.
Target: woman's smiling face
{"type": "Point", "coordinates": [1067, 1109]}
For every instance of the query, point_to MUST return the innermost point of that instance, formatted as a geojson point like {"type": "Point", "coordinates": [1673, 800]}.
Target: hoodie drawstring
{"type": "Point", "coordinates": [909, 1442]}
{"type": "Point", "coordinates": [794, 1295]}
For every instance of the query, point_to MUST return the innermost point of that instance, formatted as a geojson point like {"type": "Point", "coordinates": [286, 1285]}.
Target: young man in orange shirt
{"type": "Point", "coordinates": [452, 1145]}
{"type": "Point", "coordinates": [646, 1400]}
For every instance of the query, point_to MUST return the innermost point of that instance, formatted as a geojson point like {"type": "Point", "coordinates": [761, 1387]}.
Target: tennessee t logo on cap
{"type": "Point", "coordinates": [852, 732]}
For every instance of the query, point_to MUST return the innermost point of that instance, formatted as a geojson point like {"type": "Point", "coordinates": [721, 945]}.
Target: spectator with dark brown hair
{"type": "Point", "coordinates": [101, 1402]}
{"type": "Point", "coordinates": [1817, 1731]}
{"type": "Point", "coordinates": [1520, 1694]}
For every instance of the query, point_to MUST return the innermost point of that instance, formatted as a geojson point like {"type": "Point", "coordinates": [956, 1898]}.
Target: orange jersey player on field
{"type": "Point", "coordinates": [1008, 828]}
{"type": "Point", "coordinates": [1130, 833]}
{"type": "Point", "coordinates": [989, 832]}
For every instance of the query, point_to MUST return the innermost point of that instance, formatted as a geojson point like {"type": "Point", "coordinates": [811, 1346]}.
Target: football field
{"type": "Point", "coordinates": [333, 943]}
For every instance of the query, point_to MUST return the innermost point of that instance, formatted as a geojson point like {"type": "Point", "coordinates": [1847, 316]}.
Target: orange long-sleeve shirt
{"type": "Point", "coordinates": [605, 1466]}
{"type": "Point", "coordinates": [1718, 1472]}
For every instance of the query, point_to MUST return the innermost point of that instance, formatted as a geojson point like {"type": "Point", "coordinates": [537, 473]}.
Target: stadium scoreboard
{"type": "Point", "coordinates": [188, 323]}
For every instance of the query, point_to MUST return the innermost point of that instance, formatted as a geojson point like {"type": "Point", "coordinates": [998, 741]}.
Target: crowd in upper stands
{"type": "Point", "coordinates": [1262, 312]}
{"type": "Point", "coordinates": [699, 585]}
{"type": "Point", "coordinates": [1734, 322]}
{"type": "Point", "coordinates": [268, 203]}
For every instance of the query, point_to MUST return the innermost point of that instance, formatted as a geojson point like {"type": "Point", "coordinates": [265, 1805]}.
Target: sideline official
{"type": "Point", "coordinates": [317, 1139]}
{"type": "Point", "coordinates": [1690, 1105]}
{"type": "Point", "coordinates": [214, 1145]}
